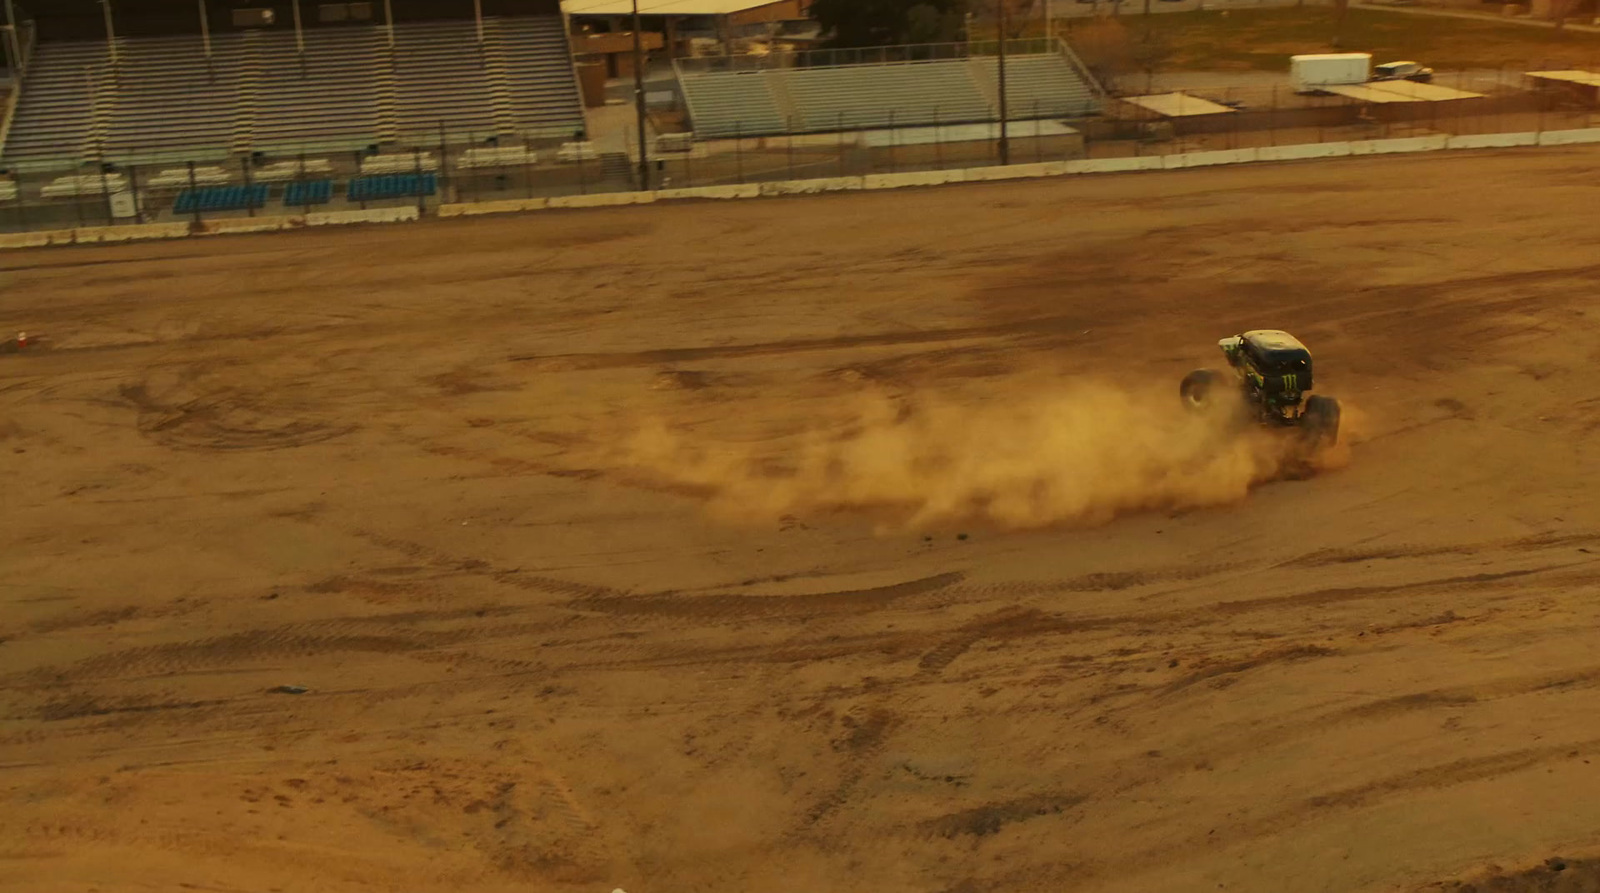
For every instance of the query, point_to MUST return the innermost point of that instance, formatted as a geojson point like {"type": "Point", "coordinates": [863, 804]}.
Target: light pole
{"type": "Point", "coordinates": [1005, 138]}
{"type": "Point", "coordinates": [638, 99]}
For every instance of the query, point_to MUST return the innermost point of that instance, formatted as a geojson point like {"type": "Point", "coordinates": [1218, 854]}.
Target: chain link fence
{"type": "Point", "coordinates": [134, 187]}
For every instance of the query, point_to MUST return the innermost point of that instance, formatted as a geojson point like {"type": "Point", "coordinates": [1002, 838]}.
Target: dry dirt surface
{"type": "Point", "coordinates": [822, 544]}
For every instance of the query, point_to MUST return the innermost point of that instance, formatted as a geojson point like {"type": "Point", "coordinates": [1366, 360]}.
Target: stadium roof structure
{"type": "Point", "coordinates": [1178, 105]}
{"type": "Point", "coordinates": [1586, 78]}
{"type": "Point", "coordinates": [661, 7]}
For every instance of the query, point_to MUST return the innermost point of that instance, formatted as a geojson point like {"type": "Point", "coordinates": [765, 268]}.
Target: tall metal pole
{"type": "Point", "coordinates": [1049, 22]}
{"type": "Point", "coordinates": [1005, 118]}
{"type": "Point", "coordinates": [477, 16]}
{"type": "Point", "coordinates": [638, 99]}
{"type": "Point", "coordinates": [205, 27]}
{"type": "Point", "coordinates": [388, 21]}
{"type": "Point", "coordinates": [299, 35]}
{"type": "Point", "coordinates": [16, 41]}
{"type": "Point", "coordinates": [111, 32]}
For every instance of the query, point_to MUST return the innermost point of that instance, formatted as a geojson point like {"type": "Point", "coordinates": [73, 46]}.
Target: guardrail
{"type": "Point", "coordinates": [839, 58]}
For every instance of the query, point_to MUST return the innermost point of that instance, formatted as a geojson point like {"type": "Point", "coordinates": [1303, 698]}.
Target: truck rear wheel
{"type": "Point", "coordinates": [1321, 420]}
{"type": "Point", "coordinates": [1200, 389]}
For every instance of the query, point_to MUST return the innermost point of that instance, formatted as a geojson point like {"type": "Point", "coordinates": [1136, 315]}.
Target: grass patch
{"type": "Point", "coordinates": [1264, 39]}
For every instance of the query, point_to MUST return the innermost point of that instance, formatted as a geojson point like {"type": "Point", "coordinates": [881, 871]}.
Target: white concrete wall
{"type": "Point", "coordinates": [504, 206]}
{"type": "Point", "coordinates": [1493, 140]}
{"type": "Point", "coordinates": [1301, 152]}
{"type": "Point", "coordinates": [1405, 144]}
{"type": "Point", "coordinates": [813, 187]}
{"type": "Point", "coordinates": [910, 178]}
{"type": "Point", "coordinates": [376, 215]}
{"type": "Point", "coordinates": [1207, 159]}
{"type": "Point", "coordinates": [601, 200]}
{"type": "Point", "coordinates": [91, 234]}
{"type": "Point", "coordinates": [1014, 171]}
{"type": "Point", "coordinates": [1114, 165]}
{"type": "Point", "coordinates": [721, 193]}
{"type": "Point", "coordinates": [1569, 137]}
{"type": "Point", "coordinates": [237, 225]}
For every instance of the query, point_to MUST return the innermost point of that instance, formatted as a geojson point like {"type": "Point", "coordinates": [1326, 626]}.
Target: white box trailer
{"type": "Point", "coordinates": [1309, 73]}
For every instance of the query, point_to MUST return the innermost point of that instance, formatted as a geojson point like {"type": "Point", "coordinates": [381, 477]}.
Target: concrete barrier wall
{"type": "Point", "coordinates": [1493, 140]}
{"type": "Point", "coordinates": [1114, 165]}
{"type": "Point", "coordinates": [812, 187]}
{"type": "Point", "coordinates": [1014, 171]}
{"type": "Point", "coordinates": [90, 234]}
{"type": "Point", "coordinates": [1297, 153]}
{"type": "Point", "coordinates": [35, 240]}
{"type": "Point", "coordinates": [1405, 144]}
{"type": "Point", "coordinates": [602, 200]}
{"type": "Point", "coordinates": [376, 215]}
{"type": "Point", "coordinates": [1569, 137]}
{"type": "Point", "coordinates": [1207, 159]}
{"type": "Point", "coordinates": [910, 178]}
{"type": "Point", "coordinates": [505, 206]}
{"type": "Point", "coordinates": [239, 225]}
{"type": "Point", "coordinates": [721, 193]}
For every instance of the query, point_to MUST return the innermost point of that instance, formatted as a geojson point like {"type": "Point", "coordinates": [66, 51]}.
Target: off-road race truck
{"type": "Point", "coordinates": [1272, 373]}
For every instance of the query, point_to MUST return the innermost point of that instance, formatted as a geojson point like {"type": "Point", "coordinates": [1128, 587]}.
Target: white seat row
{"type": "Point", "coordinates": [179, 176]}
{"type": "Point", "coordinates": [84, 184]}
{"type": "Point", "coordinates": [399, 163]}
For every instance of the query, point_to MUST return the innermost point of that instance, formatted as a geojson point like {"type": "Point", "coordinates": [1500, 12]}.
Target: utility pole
{"type": "Point", "coordinates": [638, 99]}
{"type": "Point", "coordinates": [1005, 137]}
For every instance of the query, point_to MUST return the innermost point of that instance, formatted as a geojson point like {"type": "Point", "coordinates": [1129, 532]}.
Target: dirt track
{"type": "Point", "coordinates": [394, 466]}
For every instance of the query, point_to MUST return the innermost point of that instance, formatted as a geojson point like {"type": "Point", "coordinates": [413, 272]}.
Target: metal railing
{"type": "Point", "coordinates": [199, 188]}
{"type": "Point", "coordinates": [885, 55]}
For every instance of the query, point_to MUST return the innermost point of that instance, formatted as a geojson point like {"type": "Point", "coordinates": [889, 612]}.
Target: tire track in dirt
{"type": "Point", "coordinates": [667, 356]}
{"type": "Point", "coordinates": [383, 634]}
{"type": "Point", "coordinates": [716, 608]}
{"type": "Point", "coordinates": [1316, 807]}
{"type": "Point", "coordinates": [1318, 597]}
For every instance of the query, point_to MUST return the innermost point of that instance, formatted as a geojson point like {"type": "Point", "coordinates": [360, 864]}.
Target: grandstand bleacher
{"type": "Point", "coordinates": [220, 198]}
{"type": "Point", "coordinates": [1040, 86]}
{"type": "Point", "coordinates": [891, 94]}
{"type": "Point", "coordinates": [164, 100]}
{"type": "Point", "coordinates": [902, 93]}
{"type": "Point", "coordinates": [387, 186]}
{"type": "Point", "coordinates": [308, 192]}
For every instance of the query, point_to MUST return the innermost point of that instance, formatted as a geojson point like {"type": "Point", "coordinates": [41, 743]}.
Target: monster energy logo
{"type": "Point", "coordinates": [1291, 382]}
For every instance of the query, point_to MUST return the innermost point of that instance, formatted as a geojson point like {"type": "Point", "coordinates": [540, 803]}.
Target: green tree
{"type": "Point", "coordinates": [869, 23]}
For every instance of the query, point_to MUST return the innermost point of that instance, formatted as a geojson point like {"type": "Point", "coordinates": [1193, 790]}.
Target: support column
{"type": "Point", "coordinates": [16, 42]}
{"type": "Point", "coordinates": [299, 34]}
{"type": "Point", "coordinates": [111, 31]}
{"type": "Point", "coordinates": [477, 16]}
{"type": "Point", "coordinates": [1005, 136]}
{"type": "Point", "coordinates": [388, 21]}
{"type": "Point", "coordinates": [638, 98]}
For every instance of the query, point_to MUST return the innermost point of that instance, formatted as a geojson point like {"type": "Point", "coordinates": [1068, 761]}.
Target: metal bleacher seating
{"type": "Point", "coordinates": [138, 116]}
{"type": "Point", "coordinates": [386, 186]}
{"type": "Point", "coordinates": [441, 79]}
{"type": "Point", "coordinates": [308, 192]}
{"type": "Point", "coordinates": [164, 101]}
{"type": "Point", "coordinates": [543, 93]}
{"type": "Point", "coordinates": [889, 94]}
{"type": "Point", "coordinates": [328, 100]}
{"type": "Point", "coordinates": [899, 94]}
{"type": "Point", "coordinates": [220, 198]}
{"type": "Point", "coordinates": [55, 114]}
{"type": "Point", "coordinates": [1043, 85]}
{"type": "Point", "coordinates": [727, 103]}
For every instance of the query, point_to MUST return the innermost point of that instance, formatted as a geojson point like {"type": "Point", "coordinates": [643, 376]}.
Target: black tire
{"type": "Point", "coordinates": [1321, 420]}
{"type": "Point", "coordinates": [1199, 391]}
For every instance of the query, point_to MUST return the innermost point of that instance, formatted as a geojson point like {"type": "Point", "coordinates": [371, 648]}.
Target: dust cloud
{"type": "Point", "coordinates": [1081, 453]}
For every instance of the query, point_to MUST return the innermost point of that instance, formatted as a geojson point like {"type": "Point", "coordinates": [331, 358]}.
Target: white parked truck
{"type": "Point", "coordinates": [1310, 73]}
